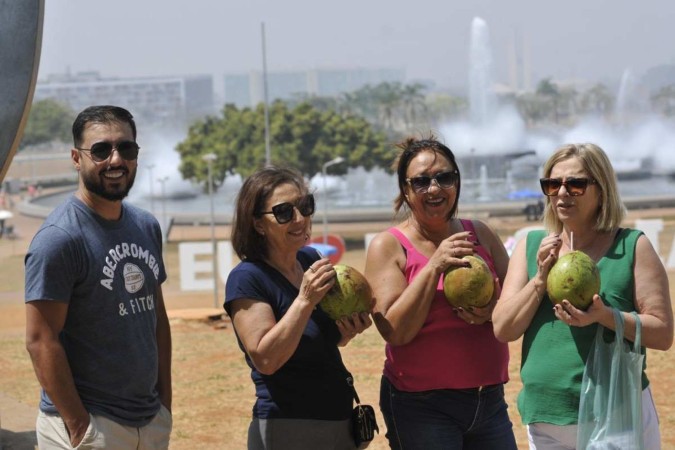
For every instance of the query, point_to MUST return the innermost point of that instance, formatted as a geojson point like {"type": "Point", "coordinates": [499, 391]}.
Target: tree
{"type": "Point", "coordinates": [531, 107]}
{"type": "Point", "coordinates": [443, 108]}
{"type": "Point", "coordinates": [549, 91]}
{"type": "Point", "coordinates": [414, 104]}
{"type": "Point", "coordinates": [664, 100]}
{"type": "Point", "coordinates": [567, 103]}
{"type": "Point", "coordinates": [302, 137]}
{"type": "Point", "coordinates": [388, 97]}
{"type": "Point", "coordinates": [392, 108]}
{"type": "Point", "coordinates": [48, 120]}
{"type": "Point", "coordinates": [597, 100]}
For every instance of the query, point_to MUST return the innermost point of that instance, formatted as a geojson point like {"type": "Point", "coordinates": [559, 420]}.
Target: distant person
{"type": "Point", "coordinates": [444, 374]}
{"type": "Point", "coordinates": [583, 206]}
{"type": "Point", "coordinates": [97, 330]}
{"type": "Point", "coordinates": [303, 400]}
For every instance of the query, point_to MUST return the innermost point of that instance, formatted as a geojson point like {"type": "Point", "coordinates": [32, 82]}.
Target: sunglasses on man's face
{"type": "Point", "coordinates": [285, 211]}
{"type": "Point", "coordinates": [444, 180]}
{"type": "Point", "coordinates": [101, 151]}
{"type": "Point", "coordinates": [573, 186]}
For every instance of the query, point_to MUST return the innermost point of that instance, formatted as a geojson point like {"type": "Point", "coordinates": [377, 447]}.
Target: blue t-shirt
{"type": "Point", "coordinates": [109, 274]}
{"type": "Point", "coordinates": [312, 384]}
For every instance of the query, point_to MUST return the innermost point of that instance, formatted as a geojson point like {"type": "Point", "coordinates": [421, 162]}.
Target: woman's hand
{"type": "Point", "coordinates": [573, 316]}
{"type": "Point", "coordinates": [317, 281]}
{"type": "Point", "coordinates": [451, 251]}
{"type": "Point", "coordinates": [478, 316]}
{"type": "Point", "coordinates": [547, 255]}
{"type": "Point", "coordinates": [350, 326]}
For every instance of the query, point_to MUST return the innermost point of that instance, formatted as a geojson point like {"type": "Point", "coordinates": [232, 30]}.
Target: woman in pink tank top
{"type": "Point", "coordinates": [444, 373]}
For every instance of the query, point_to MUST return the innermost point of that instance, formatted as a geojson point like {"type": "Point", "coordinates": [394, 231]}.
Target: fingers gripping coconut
{"type": "Point", "coordinates": [350, 294]}
{"type": "Point", "coordinates": [471, 286]}
{"type": "Point", "coordinates": [574, 277]}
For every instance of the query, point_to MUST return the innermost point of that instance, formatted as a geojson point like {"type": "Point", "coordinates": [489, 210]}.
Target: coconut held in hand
{"type": "Point", "coordinates": [574, 277]}
{"type": "Point", "coordinates": [351, 293]}
{"type": "Point", "coordinates": [471, 286]}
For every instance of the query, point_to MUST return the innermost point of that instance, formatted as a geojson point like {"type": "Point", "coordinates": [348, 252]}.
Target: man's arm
{"type": "Point", "coordinates": [163, 333]}
{"type": "Point", "coordinates": [44, 322]}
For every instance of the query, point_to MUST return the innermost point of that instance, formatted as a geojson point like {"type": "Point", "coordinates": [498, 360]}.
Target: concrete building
{"type": "Point", "coordinates": [152, 100]}
{"type": "Point", "coordinates": [247, 90]}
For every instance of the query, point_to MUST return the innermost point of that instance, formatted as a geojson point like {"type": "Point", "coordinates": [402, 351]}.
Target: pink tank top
{"type": "Point", "coordinates": [447, 353]}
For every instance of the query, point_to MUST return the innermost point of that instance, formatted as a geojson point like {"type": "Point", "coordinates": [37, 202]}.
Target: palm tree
{"type": "Point", "coordinates": [532, 107]}
{"type": "Point", "coordinates": [413, 103]}
{"type": "Point", "coordinates": [598, 100]}
{"type": "Point", "coordinates": [388, 97]}
{"type": "Point", "coordinates": [568, 103]}
{"type": "Point", "coordinates": [664, 100]}
{"type": "Point", "coordinates": [549, 91]}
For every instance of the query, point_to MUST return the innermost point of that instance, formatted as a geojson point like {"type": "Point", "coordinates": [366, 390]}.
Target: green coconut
{"type": "Point", "coordinates": [574, 277]}
{"type": "Point", "coordinates": [351, 293]}
{"type": "Point", "coordinates": [470, 286]}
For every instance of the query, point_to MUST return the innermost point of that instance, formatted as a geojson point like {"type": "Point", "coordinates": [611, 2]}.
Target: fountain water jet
{"type": "Point", "coordinates": [482, 100]}
{"type": "Point", "coordinates": [494, 131]}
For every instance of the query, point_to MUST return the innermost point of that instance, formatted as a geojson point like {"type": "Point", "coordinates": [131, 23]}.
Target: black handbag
{"type": "Point", "coordinates": [364, 424]}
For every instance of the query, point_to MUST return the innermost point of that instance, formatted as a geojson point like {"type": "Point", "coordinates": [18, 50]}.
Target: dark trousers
{"type": "Point", "coordinates": [447, 419]}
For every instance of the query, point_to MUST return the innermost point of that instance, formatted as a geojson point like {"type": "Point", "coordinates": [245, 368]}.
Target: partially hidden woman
{"type": "Point", "coordinates": [303, 400]}
{"type": "Point", "coordinates": [584, 211]}
{"type": "Point", "coordinates": [444, 374]}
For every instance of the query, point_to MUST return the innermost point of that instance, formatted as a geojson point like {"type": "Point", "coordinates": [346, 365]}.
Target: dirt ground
{"type": "Point", "coordinates": [213, 394]}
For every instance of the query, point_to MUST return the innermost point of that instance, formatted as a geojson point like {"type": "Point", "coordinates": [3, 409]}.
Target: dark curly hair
{"type": "Point", "coordinates": [409, 148]}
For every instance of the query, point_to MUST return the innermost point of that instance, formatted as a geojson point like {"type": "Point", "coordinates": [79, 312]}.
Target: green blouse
{"type": "Point", "coordinates": [553, 353]}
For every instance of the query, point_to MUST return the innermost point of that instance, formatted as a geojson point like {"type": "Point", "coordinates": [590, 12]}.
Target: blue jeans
{"type": "Point", "coordinates": [468, 419]}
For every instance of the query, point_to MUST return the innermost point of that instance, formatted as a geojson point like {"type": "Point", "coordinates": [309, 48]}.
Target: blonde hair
{"type": "Point", "coordinates": [595, 162]}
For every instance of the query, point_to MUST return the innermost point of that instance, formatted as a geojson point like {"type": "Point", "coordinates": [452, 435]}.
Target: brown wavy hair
{"type": "Point", "coordinates": [257, 188]}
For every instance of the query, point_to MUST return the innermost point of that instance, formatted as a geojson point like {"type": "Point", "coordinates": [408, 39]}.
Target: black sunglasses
{"type": "Point", "coordinates": [574, 186]}
{"type": "Point", "coordinates": [101, 151]}
{"type": "Point", "coordinates": [444, 180]}
{"type": "Point", "coordinates": [284, 212]}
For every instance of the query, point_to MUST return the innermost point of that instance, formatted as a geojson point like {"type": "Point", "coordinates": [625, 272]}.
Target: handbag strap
{"type": "Point", "coordinates": [350, 383]}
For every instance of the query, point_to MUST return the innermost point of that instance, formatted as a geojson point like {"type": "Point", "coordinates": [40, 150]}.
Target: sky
{"type": "Point", "coordinates": [593, 40]}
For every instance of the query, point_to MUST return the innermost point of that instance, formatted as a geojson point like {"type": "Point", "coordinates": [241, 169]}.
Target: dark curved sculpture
{"type": "Point", "coordinates": [20, 42]}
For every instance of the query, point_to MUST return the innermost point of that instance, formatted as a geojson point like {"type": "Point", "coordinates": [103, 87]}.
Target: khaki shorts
{"type": "Point", "coordinates": [103, 433]}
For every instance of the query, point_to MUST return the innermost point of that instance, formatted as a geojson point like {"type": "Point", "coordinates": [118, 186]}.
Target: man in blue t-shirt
{"type": "Point", "coordinates": [97, 330]}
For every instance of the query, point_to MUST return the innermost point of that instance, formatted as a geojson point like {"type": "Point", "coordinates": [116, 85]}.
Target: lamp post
{"type": "Point", "coordinates": [268, 152]}
{"type": "Point", "coordinates": [210, 158]}
{"type": "Point", "coordinates": [326, 165]}
{"type": "Point", "coordinates": [152, 195]}
{"type": "Point", "coordinates": [165, 223]}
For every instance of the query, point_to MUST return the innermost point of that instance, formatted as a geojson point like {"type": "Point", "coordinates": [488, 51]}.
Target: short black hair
{"type": "Point", "coordinates": [101, 114]}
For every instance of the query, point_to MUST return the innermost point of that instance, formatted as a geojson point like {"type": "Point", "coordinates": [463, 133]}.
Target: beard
{"type": "Point", "coordinates": [114, 191]}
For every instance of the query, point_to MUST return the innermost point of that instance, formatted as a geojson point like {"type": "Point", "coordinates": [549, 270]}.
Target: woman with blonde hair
{"type": "Point", "coordinates": [583, 212]}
